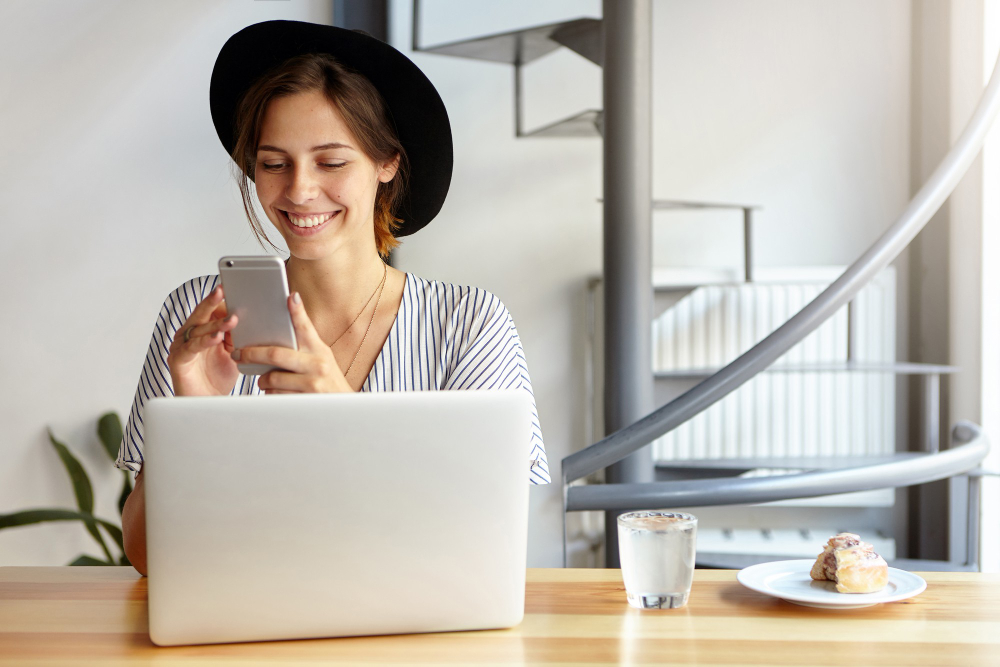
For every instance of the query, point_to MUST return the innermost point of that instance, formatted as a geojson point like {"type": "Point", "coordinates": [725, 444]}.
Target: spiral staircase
{"type": "Point", "coordinates": [620, 42]}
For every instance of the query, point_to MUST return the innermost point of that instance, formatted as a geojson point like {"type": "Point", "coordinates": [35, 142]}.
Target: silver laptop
{"type": "Point", "coordinates": [287, 517]}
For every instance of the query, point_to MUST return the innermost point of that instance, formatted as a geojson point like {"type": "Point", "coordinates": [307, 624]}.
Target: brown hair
{"type": "Point", "coordinates": [364, 112]}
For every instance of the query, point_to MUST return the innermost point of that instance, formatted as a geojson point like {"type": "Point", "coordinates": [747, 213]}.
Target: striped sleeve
{"type": "Point", "coordinates": [154, 380]}
{"type": "Point", "coordinates": [489, 355]}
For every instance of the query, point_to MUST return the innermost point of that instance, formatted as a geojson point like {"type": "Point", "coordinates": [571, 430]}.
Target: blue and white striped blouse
{"type": "Point", "coordinates": [444, 337]}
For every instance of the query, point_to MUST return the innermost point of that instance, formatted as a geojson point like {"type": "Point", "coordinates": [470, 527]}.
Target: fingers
{"type": "Point", "coordinates": [305, 333]}
{"type": "Point", "coordinates": [280, 382]}
{"type": "Point", "coordinates": [204, 319]}
{"type": "Point", "coordinates": [200, 343]}
{"type": "Point", "coordinates": [210, 329]}
{"type": "Point", "coordinates": [220, 311]}
{"type": "Point", "coordinates": [205, 328]}
{"type": "Point", "coordinates": [206, 308]}
{"type": "Point", "coordinates": [282, 357]}
{"type": "Point", "coordinates": [312, 368]}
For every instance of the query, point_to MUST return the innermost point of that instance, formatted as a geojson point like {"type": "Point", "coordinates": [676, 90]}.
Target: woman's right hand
{"type": "Point", "coordinates": [202, 366]}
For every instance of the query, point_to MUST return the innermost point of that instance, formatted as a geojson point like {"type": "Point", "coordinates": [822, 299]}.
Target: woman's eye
{"type": "Point", "coordinates": [332, 165]}
{"type": "Point", "coordinates": [272, 166]}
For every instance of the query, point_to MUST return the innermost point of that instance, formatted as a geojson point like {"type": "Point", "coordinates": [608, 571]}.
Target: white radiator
{"type": "Point", "coordinates": [780, 414]}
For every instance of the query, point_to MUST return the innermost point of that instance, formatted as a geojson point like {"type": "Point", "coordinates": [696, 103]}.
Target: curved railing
{"type": "Point", "coordinates": [924, 204]}
{"type": "Point", "coordinates": [969, 448]}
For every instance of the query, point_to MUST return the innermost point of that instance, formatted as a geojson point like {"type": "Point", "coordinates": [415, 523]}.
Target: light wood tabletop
{"type": "Point", "coordinates": [98, 615]}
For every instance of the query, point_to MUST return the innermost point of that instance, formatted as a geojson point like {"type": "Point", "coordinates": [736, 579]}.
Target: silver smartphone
{"type": "Point", "coordinates": [256, 291]}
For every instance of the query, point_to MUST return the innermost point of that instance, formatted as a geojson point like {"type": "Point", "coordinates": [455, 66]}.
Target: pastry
{"type": "Point", "coordinates": [852, 564]}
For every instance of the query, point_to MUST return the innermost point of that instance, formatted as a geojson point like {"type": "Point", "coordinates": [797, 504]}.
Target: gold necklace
{"type": "Point", "coordinates": [363, 308]}
{"type": "Point", "coordinates": [363, 338]}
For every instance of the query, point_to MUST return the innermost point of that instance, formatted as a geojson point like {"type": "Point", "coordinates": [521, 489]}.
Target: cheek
{"type": "Point", "coordinates": [267, 188]}
{"type": "Point", "coordinates": [363, 187]}
{"type": "Point", "coordinates": [343, 190]}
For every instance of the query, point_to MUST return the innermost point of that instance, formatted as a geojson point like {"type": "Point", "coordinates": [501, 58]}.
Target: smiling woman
{"type": "Point", "coordinates": [294, 178]}
{"type": "Point", "coordinates": [339, 103]}
{"type": "Point", "coordinates": [349, 147]}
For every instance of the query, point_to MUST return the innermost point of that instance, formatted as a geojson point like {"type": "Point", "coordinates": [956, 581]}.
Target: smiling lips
{"type": "Point", "coordinates": [309, 220]}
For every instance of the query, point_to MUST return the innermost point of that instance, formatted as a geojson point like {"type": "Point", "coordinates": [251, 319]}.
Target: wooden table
{"type": "Point", "coordinates": [97, 615]}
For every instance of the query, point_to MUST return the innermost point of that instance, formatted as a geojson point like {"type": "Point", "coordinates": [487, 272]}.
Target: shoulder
{"type": "Point", "coordinates": [189, 293]}
{"type": "Point", "coordinates": [465, 301]}
{"type": "Point", "coordinates": [180, 301]}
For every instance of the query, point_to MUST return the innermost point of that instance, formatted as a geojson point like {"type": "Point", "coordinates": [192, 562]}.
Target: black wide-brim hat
{"type": "Point", "coordinates": [414, 105]}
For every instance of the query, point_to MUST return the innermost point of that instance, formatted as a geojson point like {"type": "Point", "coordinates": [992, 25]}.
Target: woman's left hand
{"type": "Point", "coordinates": [312, 369]}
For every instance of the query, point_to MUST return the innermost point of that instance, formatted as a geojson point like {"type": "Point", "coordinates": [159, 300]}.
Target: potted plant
{"type": "Point", "coordinates": [109, 430]}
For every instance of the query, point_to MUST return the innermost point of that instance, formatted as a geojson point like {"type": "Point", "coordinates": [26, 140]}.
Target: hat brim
{"type": "Point", "coordinates": [413, 103]}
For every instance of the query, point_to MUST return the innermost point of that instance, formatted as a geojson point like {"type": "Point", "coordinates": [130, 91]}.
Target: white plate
{"type": "Point", "coordinates": [790, 580]}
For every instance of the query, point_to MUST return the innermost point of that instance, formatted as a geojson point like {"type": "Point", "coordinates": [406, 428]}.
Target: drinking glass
{"type": "Point", "coordinates": [657, 557]}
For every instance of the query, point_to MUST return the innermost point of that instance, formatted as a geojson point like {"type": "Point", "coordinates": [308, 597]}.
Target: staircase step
{"type": "Point", "coordinates": [897, 368]}
{"type": "Point", "coordinates": [581, 35]}
{"type": "Point", "coordinates": [588, 123]}
{"type": "Point", "coordinates": [673, 204]}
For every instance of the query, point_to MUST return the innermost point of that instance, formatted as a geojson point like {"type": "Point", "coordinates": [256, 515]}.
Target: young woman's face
{"type": "Point", "coordinates": [313, 181]}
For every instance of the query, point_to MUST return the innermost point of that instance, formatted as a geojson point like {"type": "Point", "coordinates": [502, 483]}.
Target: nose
{"type": "Point", "coordinates": [302, 187]}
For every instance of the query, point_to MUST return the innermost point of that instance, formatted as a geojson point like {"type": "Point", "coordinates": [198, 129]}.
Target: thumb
{"type": "Point", "coordinates": [305, 333]}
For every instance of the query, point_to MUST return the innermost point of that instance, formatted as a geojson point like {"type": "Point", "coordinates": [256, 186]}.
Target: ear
{"type": "Point", "coordinates": [387, 170]}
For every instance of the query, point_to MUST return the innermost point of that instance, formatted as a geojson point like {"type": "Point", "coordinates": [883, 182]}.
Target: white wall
{"type": "Point", "coordinates": [974, 292]}
{"type": "Point", "coordinates": [115, 189]}
{"type": "Point", "coordinates": [990, 304]}
{"type": "Point", "coordinates": [801, 107]}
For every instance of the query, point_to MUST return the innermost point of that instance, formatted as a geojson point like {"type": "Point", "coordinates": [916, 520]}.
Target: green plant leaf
{"type": "Point", "coordinates": [116, 534]}
{"type": "Point", "coordinates": [96, 534]}
{"type": "Point", "coordinates": [124, 560]}
{"type": "Point", "coordinates": [126, 490]}
{"type": "Point", "coordinates": [84, 559]}
{"type": "Point", "coordinates": [82, 488]}
{"type": "Point", "coordinates": [81, 482]}
{"type": "Point", "coordinates": [109, 430]}
{"type": "Point", "coordinates": [30, 517]}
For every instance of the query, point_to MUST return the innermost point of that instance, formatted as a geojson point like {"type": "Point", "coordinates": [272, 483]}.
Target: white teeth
{"type": "Point", "coordinates": [309, 221]}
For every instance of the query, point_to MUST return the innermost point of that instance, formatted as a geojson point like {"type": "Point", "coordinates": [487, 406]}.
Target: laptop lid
{"type": "Point", "coordinates": [280, 517]}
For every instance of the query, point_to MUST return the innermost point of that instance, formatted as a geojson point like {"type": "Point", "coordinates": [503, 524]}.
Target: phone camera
{"type": "Point", "coordinates": [229, 262]}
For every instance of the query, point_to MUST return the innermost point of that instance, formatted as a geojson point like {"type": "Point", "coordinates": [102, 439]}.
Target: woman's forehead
{"type": "Point", "coordinates": [304, 122]}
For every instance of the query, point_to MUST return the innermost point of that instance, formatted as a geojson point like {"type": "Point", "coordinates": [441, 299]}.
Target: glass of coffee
{"type": "Point", "coordinates": [657, 557]}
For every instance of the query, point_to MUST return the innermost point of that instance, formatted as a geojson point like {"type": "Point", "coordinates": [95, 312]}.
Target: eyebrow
{"type": "Point", "coordinates": [322, 147]}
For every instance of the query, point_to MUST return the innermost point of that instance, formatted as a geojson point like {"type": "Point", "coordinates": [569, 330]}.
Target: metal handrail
{"type": "Point", "coordinates": [959, 459]}
{"type": "Point", "coordinates": [924, 204]}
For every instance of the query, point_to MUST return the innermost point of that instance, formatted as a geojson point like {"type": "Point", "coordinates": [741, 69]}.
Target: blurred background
{"type": "Point", "coordinates": [115, 189]}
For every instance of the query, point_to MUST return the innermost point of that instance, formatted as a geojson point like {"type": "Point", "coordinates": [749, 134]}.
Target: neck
{"type": "Point", "coordinates": [334, 289]}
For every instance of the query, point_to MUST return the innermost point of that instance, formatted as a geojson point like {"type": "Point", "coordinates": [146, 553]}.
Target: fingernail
{"type": "Point", "coordinates": [296, 298]}
{"type": "Point", "coordinates": [235, 355]}
{"type": "Point", "coordinates": [228, 319]}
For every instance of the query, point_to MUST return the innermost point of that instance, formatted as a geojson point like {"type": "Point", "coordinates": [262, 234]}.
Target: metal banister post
{"type": "Point", "coordinates": [628, 261]}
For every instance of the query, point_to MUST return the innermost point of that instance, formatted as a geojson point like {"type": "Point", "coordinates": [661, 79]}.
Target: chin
{"type": "Point", "coordinates": [333, 241]}
{"type": "Point", "coordinates": [313, 250]}
{"type": "Point", "coordinates": [307, 251]}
